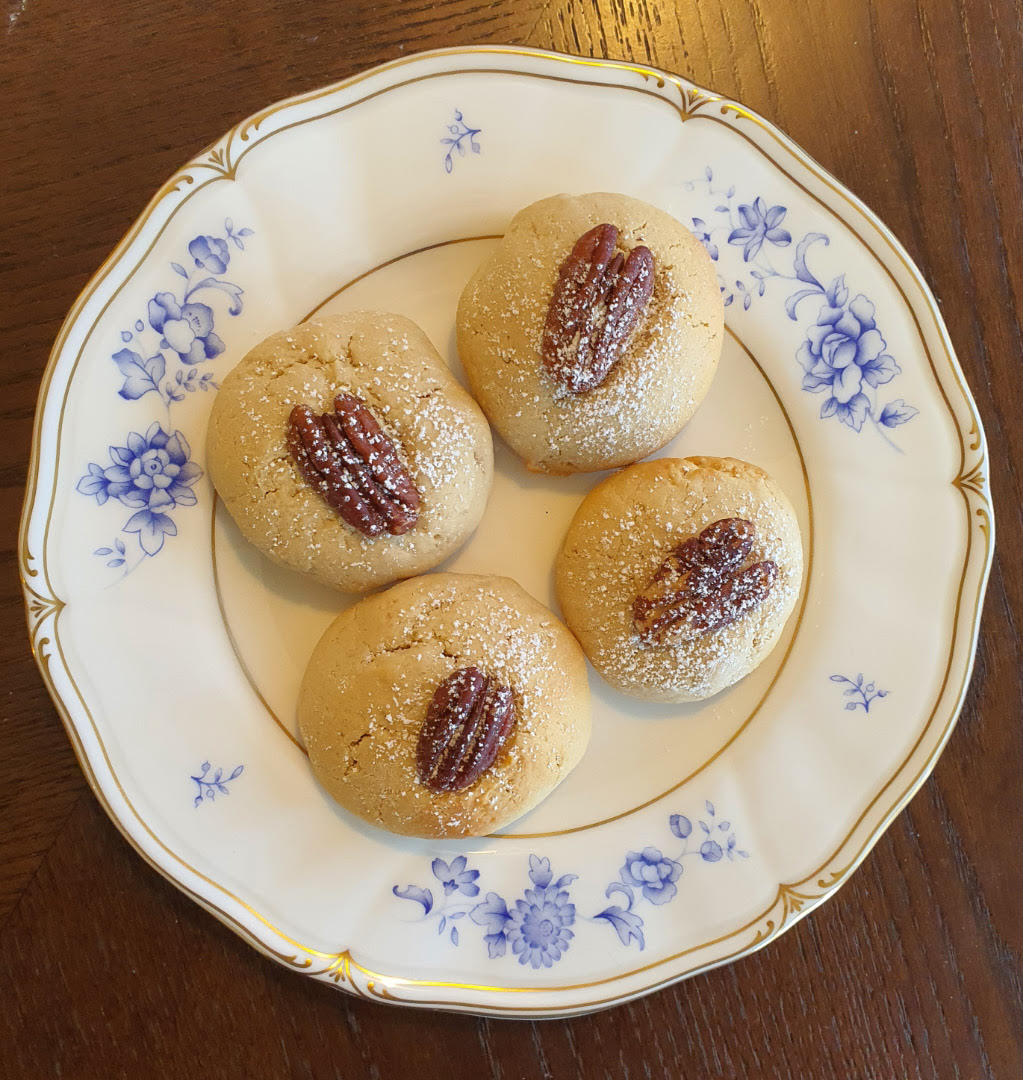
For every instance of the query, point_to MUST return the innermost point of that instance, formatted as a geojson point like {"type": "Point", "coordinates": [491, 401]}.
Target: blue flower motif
{"type": "Point", "coordinates": [460, 130]}
{"type": "Point", "coordinates": [861, 691]}
{"type": "Point", "coordinates": [208, 786]}
{"type": "Point", "coordinates": [187, 329]}
{"type": "Point", "coordinates": [710, 851]}
{"type": "Point", "coordinates": [153, 470]}
{"type": "Point", "coordinates": [210, 252]}
{"type": "Point", "coordinates": [702, 233]}
{"type": "Point", "coordinates": [455, 878]}
{"type": "Point", "coordinates": [538, 926]}
{"type": "Point", "coordinates": [649, 871]}
{"type": "Point", "coordinates": [680, 825]}
{"type": "Point", "coordinates": [493, 916]}
{"type": "Point", "coordinates": [761, 223]}
{"type": "Point", "coordinates": [152, 474]}
{"type": "Point", "coordinates": [842, 352]}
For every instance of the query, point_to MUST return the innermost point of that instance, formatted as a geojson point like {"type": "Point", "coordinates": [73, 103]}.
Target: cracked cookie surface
{"type": "Point", "coordinates": [440, 434]}
{"type": "Point", "coordinates": [371, 679]}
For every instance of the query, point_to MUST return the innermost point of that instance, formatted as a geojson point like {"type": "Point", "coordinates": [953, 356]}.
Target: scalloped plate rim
{"type": "Point", "coordinates": [339, 966]}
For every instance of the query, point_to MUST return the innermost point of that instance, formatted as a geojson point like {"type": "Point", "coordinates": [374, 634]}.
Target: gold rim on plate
{"type": "Point", "coordinates": [793, 900]}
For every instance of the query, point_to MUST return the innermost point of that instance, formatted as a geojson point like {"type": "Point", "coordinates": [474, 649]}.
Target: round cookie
{"type": "Point", "coordinates": [633, 524]}
{"type": "Point", "coordinates": [372, 677]}
{"type": "Point", "coordinates": [438, 432]}
{"type": "Point", "coordinates": [660, 376]}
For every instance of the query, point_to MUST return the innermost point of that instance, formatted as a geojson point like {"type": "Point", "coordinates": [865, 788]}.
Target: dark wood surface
{"type": "Point", "coordinates": [915, 969]}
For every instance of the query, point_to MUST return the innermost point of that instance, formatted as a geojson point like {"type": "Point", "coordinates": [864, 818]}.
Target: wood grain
{"type": "Point", "coordinates": [914, 969]}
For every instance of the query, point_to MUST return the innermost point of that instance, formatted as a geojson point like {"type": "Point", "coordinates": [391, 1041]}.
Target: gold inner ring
{"type": "Point", "coordinates": [735, 734]}
{"type": "Point", "coordinates": [793, 900]}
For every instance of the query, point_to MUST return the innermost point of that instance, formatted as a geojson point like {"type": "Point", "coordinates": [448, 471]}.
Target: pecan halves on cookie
{"type": "Point", "coordinates": [597, 301]}
{"type": "Point", "coordinates": [349, 460]}
{"type": "Point", "coordinates": [467, 723]}
{"type": "Point", "coordinates": [703, 584]}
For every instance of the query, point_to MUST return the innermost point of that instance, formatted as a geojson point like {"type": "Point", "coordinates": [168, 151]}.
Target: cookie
{"type": "Point", "coordinates": [678, 575]}
{"type": "Point", "coordinates": [345, 449]}
{"type": "Point", "coordinates": [383, 691]}
{"type": "Point", "coordinates": [592, 332]}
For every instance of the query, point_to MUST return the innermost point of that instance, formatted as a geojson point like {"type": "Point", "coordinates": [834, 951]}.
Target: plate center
{"type": "Point", "coordinates": [639, 751]}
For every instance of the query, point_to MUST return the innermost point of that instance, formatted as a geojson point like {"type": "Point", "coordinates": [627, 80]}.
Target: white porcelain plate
{"type": "Point", "coordinates": [688, 836]}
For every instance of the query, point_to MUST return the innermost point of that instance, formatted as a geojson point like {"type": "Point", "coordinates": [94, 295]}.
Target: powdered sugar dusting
{"type": "Point", "coordinates": [428, 630]}
{"type": "Point", "coordinates": [624, 532]}
{"type": "Point", "coordinates": [437, 431]}
{"type": "Point", "coordinates": [663, 371]}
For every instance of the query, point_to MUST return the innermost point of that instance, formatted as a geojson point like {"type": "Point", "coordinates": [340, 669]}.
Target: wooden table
{"type": "Point", "coordinates": [916, 968]}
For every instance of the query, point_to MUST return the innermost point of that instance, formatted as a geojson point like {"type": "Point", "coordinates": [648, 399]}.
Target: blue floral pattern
{"type": "Point", "coordinates": [208, 786]}
{"type": "Point", "coordinates": [650, 872]}
{"type": "Point", "coordinates": [455, 140]}
{"type": "Point", "coordinates": [652, 876]}
{"type": "Point", "coordinates": [153, 473]}
{"type": "Point", "coordinates": [188, 329]}
{"type": "Point", "coordinates": [760, 222]}
{"type": "Point", "coordinates": [860, 692]}
{"type": "Point", "coordinates": [844, 355]}
{"type": "Point", "coordinates": [538, 926]}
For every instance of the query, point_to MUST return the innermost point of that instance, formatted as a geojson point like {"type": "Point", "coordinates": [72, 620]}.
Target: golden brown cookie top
{"type": "Point", "coordinates": [526, 314]}
{"type": "Point", "coordinates": [425, 455]}
{"type": "Point", "coordinates": [375, 674]}
{"type": "Point", "coordinates": [658, 619]}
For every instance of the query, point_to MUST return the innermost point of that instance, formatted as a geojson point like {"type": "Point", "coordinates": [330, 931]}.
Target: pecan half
{"type": "Point", "coordinates": [467, 723]}
{"type": "Point", "coordinates": [702, 585]}
{"type": "Point", "coordinates": [349, 460]}
{"type": "Point", "coordinates": [597, 301]}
